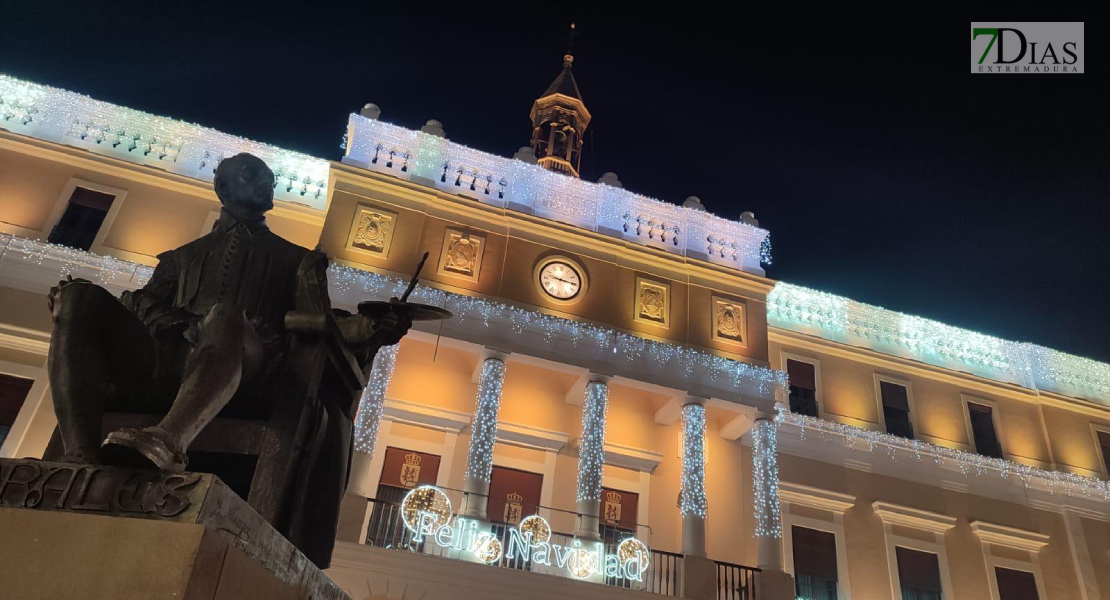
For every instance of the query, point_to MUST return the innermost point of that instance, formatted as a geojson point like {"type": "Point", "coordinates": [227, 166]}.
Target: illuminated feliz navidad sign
{"type": "Point", "coordinates": [428, 514]}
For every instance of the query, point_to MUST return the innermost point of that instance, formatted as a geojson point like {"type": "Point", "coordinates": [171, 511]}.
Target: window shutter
{"type": "Point", "coordinates": [1016, 585]}
{"type": "Point", "coordinates": [802, 374]}
{"type": "Point", "coordinates": [894, 395]}
{"type": "Point", "coordinates": [814, 552]}
{"type": "Point", "coordinates": [918, 569]}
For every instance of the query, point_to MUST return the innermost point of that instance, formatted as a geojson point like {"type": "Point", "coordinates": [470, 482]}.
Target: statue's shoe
{"type": "Point", "coordinates": [148, 448]}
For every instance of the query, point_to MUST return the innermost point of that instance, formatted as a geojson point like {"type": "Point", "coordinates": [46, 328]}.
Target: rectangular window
{"type": "Point", "coordinates": [13, 392]}
{"type": "Point", "coordinates": [513, 495]}
{"type": "Point", "coordinates": [82, 219]}
{"type": "Point", "coordinates": [803, 387]}
{"type": "Point", "coordinates": [1016, 585]}
{"type": "Point", "coordinates": [896, 409]}
{"type": "Point", "coordinates": [402, 470]}
{"type": "Point", "coordinates": [1104, 443]}
{"type": "Point", "coordinates": [983, 431]}
{"type": "Point", "coordinates": [918, 574]}
{"type": "Point", "coordinates": [815, 573]}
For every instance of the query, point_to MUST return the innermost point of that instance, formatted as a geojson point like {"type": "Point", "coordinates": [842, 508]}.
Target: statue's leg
{"type": "Point", "coordinates": [228, 352]}
{"type": "Point", "coordinates": [96, 342]}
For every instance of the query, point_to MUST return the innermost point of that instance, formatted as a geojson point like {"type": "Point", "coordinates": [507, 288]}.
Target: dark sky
{"type": "Point", "coordinates": [885, 171]}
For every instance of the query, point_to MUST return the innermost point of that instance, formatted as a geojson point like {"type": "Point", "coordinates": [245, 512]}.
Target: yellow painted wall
{"type": "Point", "coordinates": [151, 218]}
{"type": "Point", "coordinates": [1072, 442]}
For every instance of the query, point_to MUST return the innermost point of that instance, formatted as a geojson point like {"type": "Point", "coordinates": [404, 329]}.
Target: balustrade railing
{"type": "Point", "coordinates": [387, 529]}
{"type": "Point", "coordinates": [454, 168]}
{"type": "Point", "coordinates": [735, 582]}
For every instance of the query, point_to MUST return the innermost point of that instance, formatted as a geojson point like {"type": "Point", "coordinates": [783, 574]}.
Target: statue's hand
{"type": "Point", "coordinates": [392, 327]}
{"type": "Point", "coordinates": [52, 296]}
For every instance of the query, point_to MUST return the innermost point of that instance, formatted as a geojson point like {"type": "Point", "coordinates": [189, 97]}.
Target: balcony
{"type": "Point", "coordinates": [394, 553]}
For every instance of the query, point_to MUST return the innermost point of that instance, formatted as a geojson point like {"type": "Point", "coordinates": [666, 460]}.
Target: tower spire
{"type": "Point", "coordinates": [559, 119]}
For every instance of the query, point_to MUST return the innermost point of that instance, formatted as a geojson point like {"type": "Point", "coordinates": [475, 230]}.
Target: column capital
{"type": "Point", "coordinates": [694, 399]}
{"type": "Point", "coordinates": [598, 377]}
{"type": "Point", "coordinates": [493, 352]}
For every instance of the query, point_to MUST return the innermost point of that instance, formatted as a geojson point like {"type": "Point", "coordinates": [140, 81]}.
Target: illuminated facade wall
{"type": "Point", "coordinates": [659, 325]}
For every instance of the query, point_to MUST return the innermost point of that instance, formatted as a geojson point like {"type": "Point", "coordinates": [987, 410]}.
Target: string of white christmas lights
{"type": "Point", "coordinates": [56, 115]}
{"type": "Point", "coordinates": [483, 429]}
{"type": "Point", "coordinates": [765, 479]}
{"type": "Point", "coordinates": [847, 321]}
{"type": "Point", "coordinates": [372, 404]}
{"type": "Point", "coordinates": [692, 495]}
{"type": "Point", "coordinates": [591, 452]}
{"type": "Point", "coordinates": [414, 155]}
{"type": "Point", "coordinates": [968, 463]}
{"type": "Point", "coordinates": [344, 281]}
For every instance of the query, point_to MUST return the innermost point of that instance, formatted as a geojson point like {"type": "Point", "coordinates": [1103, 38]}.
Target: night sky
{"type": "Point", "coordinates": [885, 171]}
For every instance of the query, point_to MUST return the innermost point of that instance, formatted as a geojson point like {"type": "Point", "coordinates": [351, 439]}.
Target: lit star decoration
{"type": "Point", "coordinates": [55, 115]}
{"type": "Point", "coordinates": [483, 430]}
{"type": "Point", "coordinates": [765, 479]}
{"type": "Point", "coordinates": [858, 324]}
{"type": "Point", "coordinates": [692, 496]}
{"type": "Point", "coordinates": [372, 405]}
{"type": "Point", "coordinates": [357, 285]}
{"type": "Point", "coordinates": [968, 463]}
{"type": "Point", "coordinates": [591, 452]}
{"type": "Point", "coordinates": [431, 160]}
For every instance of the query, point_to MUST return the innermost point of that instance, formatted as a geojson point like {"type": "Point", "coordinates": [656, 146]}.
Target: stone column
{"type": "Point", "coordinates": [773, 582]}
{"type": "Point", "coordinates": [699, 573]}
{"type": "Point", "coordinates": [765, 487]}
{"type": "Point", "coordinates": [591, 457]}
{"type": "Point", "coordinates": [483, 435]}
{"type": "Point", "coordinates": [368, 420]}
{"type": "Point", "coordinates": [692, 501]}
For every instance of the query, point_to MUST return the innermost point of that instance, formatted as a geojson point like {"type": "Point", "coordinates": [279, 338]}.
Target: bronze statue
{"type": "Point", "coordinates": [203, 337]}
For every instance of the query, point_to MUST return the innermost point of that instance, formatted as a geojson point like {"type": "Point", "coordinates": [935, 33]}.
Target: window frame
{"type": "Point", "coordinates": [967, 399]}
{"type": "Point", "coordinates": [893, 541]}
{"type": "Point", "coordinates": [879, 378]}
{"type": "Point", "coordinates": [1095, 429]}
{"type": "Point", "coordinates": [785, 356]}
{"type": "Point", "coordinates": [835, 527]}
{"type": "Point", "coordinates": [62, 203]}
{"type": "Point", "coordinates": [1034, 567]}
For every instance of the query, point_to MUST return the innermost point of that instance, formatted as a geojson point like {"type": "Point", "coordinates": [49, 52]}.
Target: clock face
{"type": "Point", "coordinates": [560, 280]}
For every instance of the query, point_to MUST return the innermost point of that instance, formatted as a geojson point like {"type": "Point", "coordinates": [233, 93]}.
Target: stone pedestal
{"type": "Point", "coordinates": [775, 585]}
{"type": "Point", "coordinates": [93, 533]}
{"type": "Point", "coordinates": [699, 578]}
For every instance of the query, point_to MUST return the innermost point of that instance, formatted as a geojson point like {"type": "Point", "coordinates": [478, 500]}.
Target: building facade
{"type": "Point", "coordinates": [617, 366]}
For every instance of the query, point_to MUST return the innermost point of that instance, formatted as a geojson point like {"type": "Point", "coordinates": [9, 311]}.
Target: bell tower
{"type": "Point", "coordinates": [559, 120]}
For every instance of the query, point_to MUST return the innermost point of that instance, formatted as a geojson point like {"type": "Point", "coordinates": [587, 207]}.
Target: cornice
{"type": "Point", "coordinates": [527, 436]}
{"type": "Point", "coordinates": [1011, 537]}
{"type": "Point", "coordinates": [430, 417]}
{"type": "Point", "coordinates": [804, 495]}
{"type": "Point", "coordinates": [627, 457]}
{"type": "Point", "coordinates": [896, 514]}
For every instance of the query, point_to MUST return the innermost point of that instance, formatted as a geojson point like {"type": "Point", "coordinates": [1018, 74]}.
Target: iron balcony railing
{"type": "Point", "coordinates": [386, 529]}
{"type": "Point", "coordinates": [735, 582]}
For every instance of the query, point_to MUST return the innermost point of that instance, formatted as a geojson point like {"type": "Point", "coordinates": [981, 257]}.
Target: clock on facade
{"type": "Point", "coordinates": [561, 279]}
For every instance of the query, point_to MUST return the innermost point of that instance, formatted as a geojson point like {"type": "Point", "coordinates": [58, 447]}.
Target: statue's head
{"type": "Point", "coordinates": [245, 185]}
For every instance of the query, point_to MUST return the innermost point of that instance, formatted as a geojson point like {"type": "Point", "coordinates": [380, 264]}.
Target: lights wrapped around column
{"type": "Point", "coordinates": [591, 453]}
{"type": "Point", "coordinates": [372, 405]}
{"type": "Point", "coordinates": [483, 434]}
{"type": "Point", "coordinates": [692, 500]}
{"type": "Point", "coordinates": [765, 479]}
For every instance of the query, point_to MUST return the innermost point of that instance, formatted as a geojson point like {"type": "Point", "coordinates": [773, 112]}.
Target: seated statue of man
{"type": "Point", "coordinates": [207, 327]}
